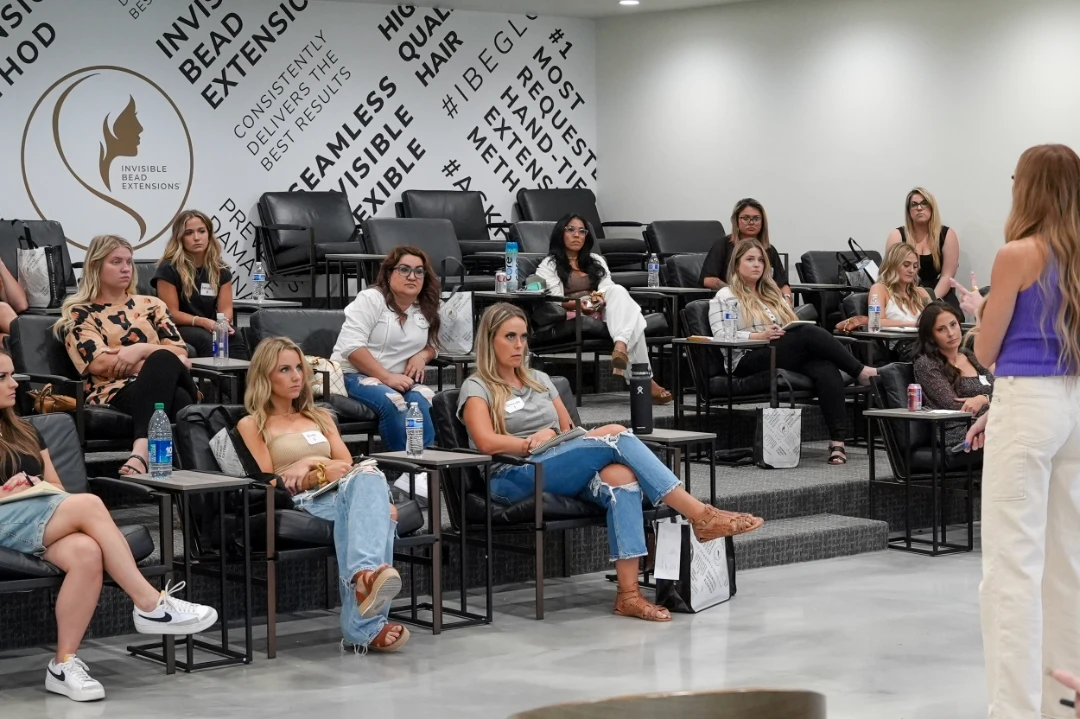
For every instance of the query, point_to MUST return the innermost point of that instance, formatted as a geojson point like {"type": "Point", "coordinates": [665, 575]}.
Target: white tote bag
{"type": "Point", "coordinates": [322, 367]}
{"type": "Point", "coordinates": [778, 441]}
{"type": "Point", "coordinates": [456, 322]}
{"type": "Point", "coordinates": [41, 273]}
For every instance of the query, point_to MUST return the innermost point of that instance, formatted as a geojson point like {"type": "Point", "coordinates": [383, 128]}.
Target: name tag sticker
{"type": "Point", "coordinates": [206, 290]}
{"type": "Point", "coordinates": [315, 437]}
{"type": "Point", "coordinates": [421, 321]}
{"type": "Point", "coordinates": [983, 380]}
{"type": "Point", "coordinates": [514, 404]}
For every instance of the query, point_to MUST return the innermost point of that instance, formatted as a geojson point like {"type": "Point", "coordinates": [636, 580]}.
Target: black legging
{"type": "Point", "coordinates": [163, 378]}
{"type": "Point", "coordinates": [814, 352]}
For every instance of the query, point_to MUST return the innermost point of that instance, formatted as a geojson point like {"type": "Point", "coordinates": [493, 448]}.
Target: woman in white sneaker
{"type": "Point", "coordinates": [75, 533]}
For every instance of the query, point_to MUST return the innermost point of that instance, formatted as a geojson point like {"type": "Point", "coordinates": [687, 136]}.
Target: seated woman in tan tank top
{"type": "Point", "coordinates": [291, 437]}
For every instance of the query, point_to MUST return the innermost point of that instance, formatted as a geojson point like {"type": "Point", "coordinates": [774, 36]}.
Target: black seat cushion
{"type": "Point", "coordinates": [532, 235]}
{"type": "Point", "coordinates": [464, 209]}
{"type": "Point", "coordinates": [292, 257]}
{"type": "Point", "coordinates": [434, 236]}
{"type": "Point", "coordinates": [523, 512]}
{"type": "Point", "coordinates": [679, 237]}
{"type": "Point", "coordinates": [630, 278]}
{"type": "Point", "coordinates": [104, 422]}
{"type": "Point", "coordinates": [328, 214]}
{"type": "Point", "coordinates": [622, 245]}
{"type": "Point", "coordinates": [315, 331]}
{"type": "Point", "coordinates": [16, 565]}
{"type": "Point", "coordinates": [855, 305]}
{"type": "Point", "coordinates": [683, 270]}
{"type": "Point", "coordinates": [552, 205]}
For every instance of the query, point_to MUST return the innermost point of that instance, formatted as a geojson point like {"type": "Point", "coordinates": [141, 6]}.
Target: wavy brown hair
{"type": "Point", "coordinates": [182, 261]}
{"type": "Point", "coordinates": [1046, 205]}
{"type": "Point", "coordinates": [766, 293]}
{"type": "Point", "coordinates": [934, 238]}
{"type": "Point", "coordinates": [257, 395]}
{"type": "Point", "coordinates": [928, 344]}
{"type": "Point", "coordinates": [429, 293]}
{"type": "Point", "coordinates": [16, 436]}
{"type": "Point", "coordinates": [487, 365]}
{"type": "Point", "coordinates": [763, 236]}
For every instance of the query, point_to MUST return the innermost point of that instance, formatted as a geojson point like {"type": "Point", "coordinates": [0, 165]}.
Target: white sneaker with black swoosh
{"type": "Point", "coordinates": [174, 616]}
{"type": "Point", "coordinates": [72, 679]}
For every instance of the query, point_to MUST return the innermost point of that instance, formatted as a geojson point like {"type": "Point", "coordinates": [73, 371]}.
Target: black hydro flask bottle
{"type": "Point", "coordinates": [641, 399]}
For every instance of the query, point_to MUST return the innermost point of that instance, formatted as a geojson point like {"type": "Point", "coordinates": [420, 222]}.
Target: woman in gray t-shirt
{"type": "Point", "coordinates": [511, 409]}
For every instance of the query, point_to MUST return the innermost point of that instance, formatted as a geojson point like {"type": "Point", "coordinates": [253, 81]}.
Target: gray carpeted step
{"type": "Point", "coordinates": [804, 539]}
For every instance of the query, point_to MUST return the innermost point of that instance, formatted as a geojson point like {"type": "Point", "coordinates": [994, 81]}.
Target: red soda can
{"type": "Point", "coordinates": [914, 397]}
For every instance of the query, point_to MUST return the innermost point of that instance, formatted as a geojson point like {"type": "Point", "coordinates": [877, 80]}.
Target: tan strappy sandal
{"type": "Point", "coordinates": [714, 523]}
{"type": "Point", "coordinates": [382, 643]}
{"type": "Point", "coordinates": [375, 588]}
{"type": "Point", "coordinates": [630, 603]}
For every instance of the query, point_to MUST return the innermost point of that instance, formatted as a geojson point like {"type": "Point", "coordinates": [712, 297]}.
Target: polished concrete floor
{"type": "Point", "coordinates": [884, 635]}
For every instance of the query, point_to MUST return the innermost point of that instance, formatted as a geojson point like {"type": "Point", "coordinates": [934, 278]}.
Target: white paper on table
{"type": "Point", "coordinates": [668, 550]}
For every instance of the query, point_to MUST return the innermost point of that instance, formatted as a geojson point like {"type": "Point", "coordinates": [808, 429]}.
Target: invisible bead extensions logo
{"type": "Point", "coordinates": [106, 150]}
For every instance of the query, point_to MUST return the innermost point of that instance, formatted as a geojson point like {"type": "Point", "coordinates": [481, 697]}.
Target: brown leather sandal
{"type": "Point", "coordinates": [619, 362]}
{"type": "Point", "coordinates": [382, 643]}
{"type": "Point", "coordinates": [375, 588]}
{"type": "Point", "coordinates": [630, 603]}
{"type": "Point", "coordinates": [662, 397]}
{"type": "Point", "coordinates": [713, 524]}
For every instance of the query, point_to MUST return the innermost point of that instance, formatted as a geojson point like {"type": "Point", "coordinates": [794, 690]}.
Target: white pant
{"type": "Point", "coordinates": [625, 323]}
{"type": "Point", "coordinates": [1030, 593]}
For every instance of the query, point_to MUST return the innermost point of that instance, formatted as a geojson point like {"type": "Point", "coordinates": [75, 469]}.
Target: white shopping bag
{"type": "Point", "coordinates": [778, 440]}
{"type": "Point", "coordinates": [456, 322]}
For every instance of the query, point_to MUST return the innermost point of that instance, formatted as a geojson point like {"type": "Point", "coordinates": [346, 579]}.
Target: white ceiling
{"type": "Point", "coordinates": [568, 8]}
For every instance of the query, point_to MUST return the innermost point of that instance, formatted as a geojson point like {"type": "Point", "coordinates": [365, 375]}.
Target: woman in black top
{"type": "Point", "coordinates": [937, 245]}
{"type": "Point", "coordinates": [75, 533]}
{"type": "Point", "coordinates": [748, 220]}
{"type": "Point", "coordinates": [195, 283]}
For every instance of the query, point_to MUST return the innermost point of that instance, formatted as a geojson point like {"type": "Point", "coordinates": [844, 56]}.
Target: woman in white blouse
{"type": "Point", "coordinates": [390, 335]}
{"type": "Point", "coordinates": [572, 270]}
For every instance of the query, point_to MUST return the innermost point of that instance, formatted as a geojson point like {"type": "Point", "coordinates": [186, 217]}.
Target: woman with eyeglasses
{"type": "Point", "coordinates": [937, 246]}
{"type": "Point", "coordinates": [573, 270]}
{"type": "Point", "coordinates": [391, 333]}
{"type": "Point", "coordinates": [748, 222]}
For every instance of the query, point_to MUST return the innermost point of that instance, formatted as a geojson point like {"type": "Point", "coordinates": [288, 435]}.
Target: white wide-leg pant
{"type": "Point", "coordinates": [625, 323]}
{"type": "Point", "coordinates": [1030, 593]}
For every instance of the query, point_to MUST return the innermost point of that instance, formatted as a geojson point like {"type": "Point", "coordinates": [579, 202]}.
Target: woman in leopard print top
{"type": "Point", "coordinates": [124, 344]}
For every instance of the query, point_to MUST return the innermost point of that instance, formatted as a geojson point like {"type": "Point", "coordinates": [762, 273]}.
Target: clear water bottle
{"type": "Point", "coordinates": [160, 438]}
{"type": "Point", "coordinates": [874, 313]}
{"type": "Point", "coordinates": [221, 340]}
{"type": "Point", "coordinates": [414, 431]}
{"type": "Point", "coordinates": [258, 282]}
{"type": "Point", "coordinates": [730, 326]}
{"type": "Point", "coordinates": [654, 270]}
{"type": "Point", "coordinates": [512, 283]}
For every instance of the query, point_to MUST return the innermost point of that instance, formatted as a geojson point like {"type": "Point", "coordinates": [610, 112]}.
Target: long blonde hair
{"type": "Point", "coordinates": [911, 299]}
{"type": "Point", "coordinates": [1046, 205]}
{"type": "Point", "coordinates": [934, 239]}
{"type": "Point", "coordinates": [90, 284]}
{"type": "Point", "coordinates": [257, 396]}
{"type": "Point", "coordinates": [16, 436]}
{"type": "Point", "coordinates": [765, 294]}
{"type": "Point", "coordinates": [181, 260]}
{"type": "Point", "coordinates": [487, 365]}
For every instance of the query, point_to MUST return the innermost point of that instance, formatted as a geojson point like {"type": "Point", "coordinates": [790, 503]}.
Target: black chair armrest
{"type": "Point", "coordinates": [283, 227]}
{"type": "Point", "coordinates": [622, 223]}
{"type": "Point", "coordinates": [846, 340]}
{"type": "Point", "coordinates": [51, 378]}
{"type": "Point", "coordinates": [405, 467]}
{"type": "Point", "coordinates": [122, 485]}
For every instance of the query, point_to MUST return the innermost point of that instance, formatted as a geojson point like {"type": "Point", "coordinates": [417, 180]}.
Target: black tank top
{"type": "Point", "coordinates": [928, 274]}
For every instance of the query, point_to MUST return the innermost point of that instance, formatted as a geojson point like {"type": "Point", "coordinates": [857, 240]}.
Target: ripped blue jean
{"type": "Point", "coordinates": [572, 469]}
{"type": "Point", "coordinates": [363, 539]}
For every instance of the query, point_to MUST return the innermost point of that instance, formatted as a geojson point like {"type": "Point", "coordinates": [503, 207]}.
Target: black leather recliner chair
{"type": "Point", "coordinates": [282, 535]}
{"type": "Point", "coordinates": [623, 253]}
{"type": "Point", "coordinates": [821, 267]}
{"type": "Point", "coordinates": [21, 572]}
{"type": "Point", "coordinates": [534, 237]}
{"type": "Point", "coordinates": [316, 332]}
{"type": "Point", "coordinates": [298, 229]}
{"type": "Point", "coordinates": [465, 210]}
{"type": "Point", "coordinates": [682, 237]}
{"type": "Point", "coordinates": [683, 270]}
{"type": "Point", "coordinates": [542, 512]}
{"type": "Point", "coordinates": [436, 238]}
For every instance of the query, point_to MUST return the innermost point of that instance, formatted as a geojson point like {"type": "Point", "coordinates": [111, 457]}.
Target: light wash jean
{"type": "Point", "coordinates": [1030, 592]}
{"type": "Point", "coordinates": [572, 469]}
{"type": "Point", "coordinates": [363, 539]}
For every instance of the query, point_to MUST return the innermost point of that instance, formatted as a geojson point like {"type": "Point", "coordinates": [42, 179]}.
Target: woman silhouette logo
{"type": "Point", "coordinates": [121, 141]}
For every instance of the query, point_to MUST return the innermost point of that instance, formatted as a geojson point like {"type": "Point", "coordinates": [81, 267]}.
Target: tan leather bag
{"type": "Point", "coordinates": [45, 401]}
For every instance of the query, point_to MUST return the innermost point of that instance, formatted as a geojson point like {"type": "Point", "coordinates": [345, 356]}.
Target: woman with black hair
{"type": "Point", "coordinates": [950, 375]}
{"type": "Point", "coordinates": [572, 270]}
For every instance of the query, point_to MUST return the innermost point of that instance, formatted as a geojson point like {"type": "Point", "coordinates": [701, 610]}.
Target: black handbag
{"type": "Point", "coordinates": [852, 268]}
{"type": "Point", "coordinates": [41, 272]}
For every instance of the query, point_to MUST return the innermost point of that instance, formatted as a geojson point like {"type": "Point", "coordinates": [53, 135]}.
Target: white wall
{"type": "Point", "coordinates": [342, 95]}
{"type": "Point", "coordinates": [829, 111]}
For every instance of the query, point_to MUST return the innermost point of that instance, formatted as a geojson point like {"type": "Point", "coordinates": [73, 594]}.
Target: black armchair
{"type": "Point", "coordinates": [542, 512]}
{"type": "Point", "coordinates": [822, 267]}
{"type": "Point", "coordinates": [436, 238]}
{"type": "Point", "coordinates": [298, 229]}
{"type": "Point", "coordinates": [534, 237]}
{"type": "Point", "coordinates": [144, 272]}
{"type": "Point", "coordinates": [281, 535]}
{"type": "Point", "coordinates": [624, 253]}
{"type": "Point", "coordinates": [316, 332]}
{"type": "Point", "coordinates": [22, 572]}
{"type": "Point", "coordinates": [681, 237]}
{"type": "Point", "coordinates": [683, 270]}
{"type": "Point", "coordinates": [464, 209]}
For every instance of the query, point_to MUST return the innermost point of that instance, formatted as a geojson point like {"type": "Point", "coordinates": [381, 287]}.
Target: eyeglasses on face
{"type": "Point", "coordinates": [750, 219]}
{"type": "Point", "coordinates": [405, 271]}
{"type": "Point", "coordinates": [919, 205]}
{"type": "Point", "coordinates": [576, 231]}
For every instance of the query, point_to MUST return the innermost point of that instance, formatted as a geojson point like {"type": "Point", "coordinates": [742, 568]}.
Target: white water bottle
{"type": "Point", "coordinates": [730, 327]}
{"type": "Point", "coordinates": [512, 283]}
{"type": "Point", "coordinates": [654, 270]}
{"type": "Point", "coordinates": [258, 282]}
{"type": "Point", "coordinates": [159, 437]}
{"type": "Point", "coordinates": [874, 313]}
{"type": "Point", "coordinates": [221, 340]}
{"type": "Point", "coordinates": [414, 431]}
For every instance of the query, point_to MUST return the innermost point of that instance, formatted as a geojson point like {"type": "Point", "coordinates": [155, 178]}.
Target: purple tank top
{"type": "Point", "coordinates": [1031, 347]}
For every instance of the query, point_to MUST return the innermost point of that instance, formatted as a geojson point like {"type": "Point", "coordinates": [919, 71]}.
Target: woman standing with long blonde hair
{"type": "Point", "coordinates": [1031, 476]}
{"type": "Point", "coordinates": [936, 245]}
{"type": "Point", "coordinates": [194, 282]}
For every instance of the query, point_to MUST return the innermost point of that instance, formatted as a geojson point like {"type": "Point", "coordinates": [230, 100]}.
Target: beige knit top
{"type": "Point", "coordinates": [288, 448]}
